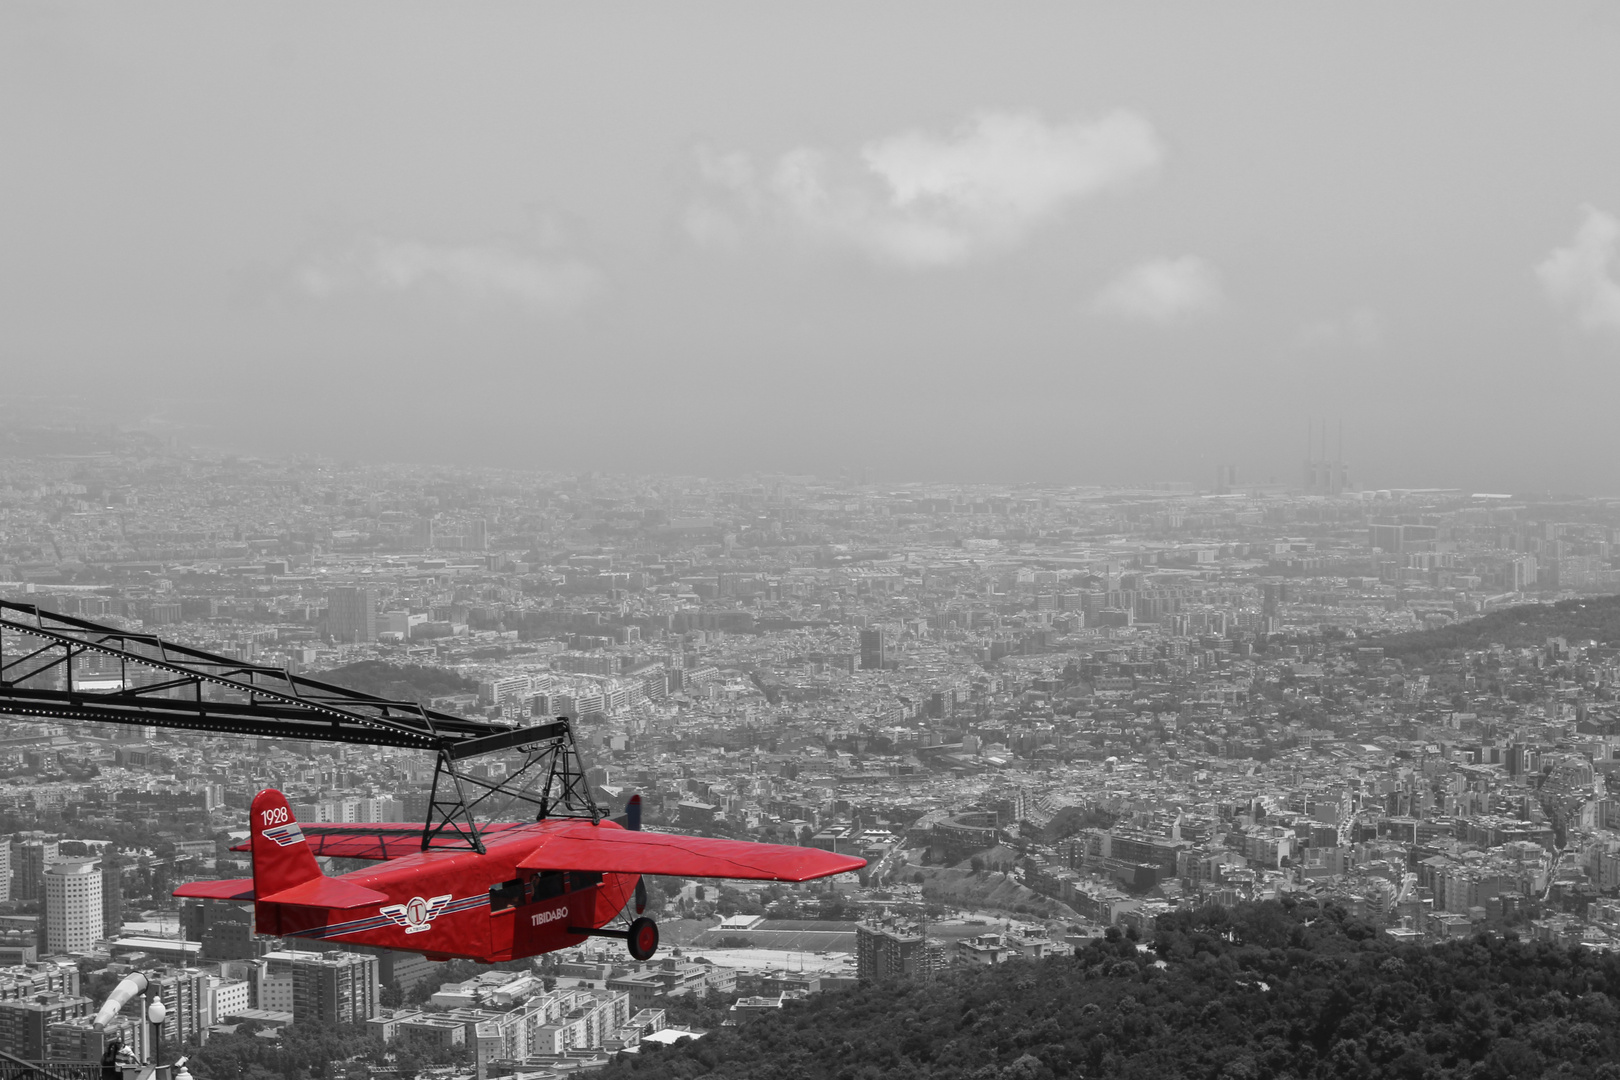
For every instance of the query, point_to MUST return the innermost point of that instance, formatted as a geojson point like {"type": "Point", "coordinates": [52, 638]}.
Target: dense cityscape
{"type": "Point", "coordinates": [725, 541]}
{"type": "Point", "coordinates": [1045, 716]}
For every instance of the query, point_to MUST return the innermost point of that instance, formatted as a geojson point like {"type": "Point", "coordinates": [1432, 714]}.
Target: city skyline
{"type": "Point", "coordinates": [1110, 245]}
{"type": "Point", "coordinates": [1315, 470]}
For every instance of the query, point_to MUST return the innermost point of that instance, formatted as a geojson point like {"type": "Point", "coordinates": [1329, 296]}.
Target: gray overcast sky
{"type": "Point", "coordinates": [1011, 242]}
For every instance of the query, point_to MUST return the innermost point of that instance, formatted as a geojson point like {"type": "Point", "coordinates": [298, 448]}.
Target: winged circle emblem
{"type": "Point", "coordinates": [416, 914]}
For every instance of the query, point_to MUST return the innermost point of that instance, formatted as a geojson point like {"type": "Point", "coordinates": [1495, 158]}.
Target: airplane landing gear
{"type": "Point", "coordinates": [642, 938]}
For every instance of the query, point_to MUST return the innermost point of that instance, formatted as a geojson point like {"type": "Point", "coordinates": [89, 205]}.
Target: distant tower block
{"type": "Point", "coordinates": [1225, 479]}
{"type": "Point", "coordinates": [1324, 475]}
{"type": "Point", "coordinates": [874, 650]}
{"type": "Point", "coordinates": [351, 614]}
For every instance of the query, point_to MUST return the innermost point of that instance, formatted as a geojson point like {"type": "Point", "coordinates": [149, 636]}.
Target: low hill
{"type": "Point", "coordinates": [1527, 625]}
{"type": "Point", "coordinates": [986, 891]}
{"type": "Point", "coordinates": [1263, 990]}
{"type": "Point", "coordinates": [1000, 857]}
{"type": "Point", "coordinates": [398, 682]}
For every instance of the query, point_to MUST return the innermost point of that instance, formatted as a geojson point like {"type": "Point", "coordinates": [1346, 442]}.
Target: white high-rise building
{"type": "Point", "coordinates": [72, 905]}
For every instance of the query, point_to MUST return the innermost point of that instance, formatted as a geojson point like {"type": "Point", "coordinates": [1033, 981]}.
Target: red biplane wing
{"type": "Point", "coordinates": [382, 840]}
{"type": "Point", "coordinates": [579, 845]}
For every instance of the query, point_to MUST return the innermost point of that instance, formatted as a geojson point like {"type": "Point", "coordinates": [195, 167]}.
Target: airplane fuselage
{"type": "Point", "coordinates": [447, 903]}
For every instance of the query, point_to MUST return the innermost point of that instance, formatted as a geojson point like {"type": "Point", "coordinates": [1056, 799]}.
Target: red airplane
{"type": "Point", "coordinates": [538, 886]}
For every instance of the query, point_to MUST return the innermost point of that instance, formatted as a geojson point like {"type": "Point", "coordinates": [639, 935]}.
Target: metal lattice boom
{"type": "Point", "coordinates": [143, 680]}
{"type": "Point", "coordinates": [163, 684]}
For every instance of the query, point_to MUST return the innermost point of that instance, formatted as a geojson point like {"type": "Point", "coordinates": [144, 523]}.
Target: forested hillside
{"type": "Point", "coordinates": [1264, 990]}
{"type": "Point", "coordinates": [1596, 618]}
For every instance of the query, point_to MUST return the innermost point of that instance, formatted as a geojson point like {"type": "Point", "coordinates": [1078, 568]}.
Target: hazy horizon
{"type": "Point", "coordinates": [1085, 245]}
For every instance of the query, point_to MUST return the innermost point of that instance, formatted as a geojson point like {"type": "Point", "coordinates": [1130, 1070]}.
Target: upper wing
{"type": "Point", "coordinates": [382, 840]}
{"type": "Point", "coordinates": [605, 849]}
{"type": "Point", "coordinates": [579, 845]}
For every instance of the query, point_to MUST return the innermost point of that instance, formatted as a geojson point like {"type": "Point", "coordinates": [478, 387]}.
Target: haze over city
{"type": "Point", "coordinates": [1111, 244]}
{"type": "Point", "coordinates": [978, 542]}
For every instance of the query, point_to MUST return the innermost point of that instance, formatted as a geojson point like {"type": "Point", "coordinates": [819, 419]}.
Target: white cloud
{"type": "Point", "coordinates": [1163, 290]}
{"type": "Point", "coordinates": [1580, 278]}
{"type": "Point", "coordinates": [917, 199]}
{"type": "Point", "coordinates": [472, 272]}
{"type": "Point", "coordinates": [1359, 330]}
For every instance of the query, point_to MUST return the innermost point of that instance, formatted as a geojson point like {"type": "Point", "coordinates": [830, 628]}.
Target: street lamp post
{"type": "Point", "coordinates": [156, 1013]}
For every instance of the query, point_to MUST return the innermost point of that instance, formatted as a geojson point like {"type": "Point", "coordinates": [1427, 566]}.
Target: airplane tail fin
{"type": "Point", "coordinates": [281, 857]}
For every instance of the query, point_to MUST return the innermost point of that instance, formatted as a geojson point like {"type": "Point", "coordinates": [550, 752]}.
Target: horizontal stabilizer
{"type": "Point", "coordinates": [228, 889]}
{"type": "Point", "coordinates": [328, 893]}
{"type": "Point", "coordinates": [579, 845]}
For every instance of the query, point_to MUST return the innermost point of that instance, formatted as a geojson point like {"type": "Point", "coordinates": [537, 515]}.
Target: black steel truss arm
{"type": "Point", "coordinates": [160, 683]}
{"type": "Point", "coordinates": [222, 693]}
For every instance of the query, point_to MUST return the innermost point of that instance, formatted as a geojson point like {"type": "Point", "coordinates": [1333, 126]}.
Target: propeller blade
{"type": "Point", "coordinates": [641, 897]}
{"type": "Point", "coordinates": [632, 813]}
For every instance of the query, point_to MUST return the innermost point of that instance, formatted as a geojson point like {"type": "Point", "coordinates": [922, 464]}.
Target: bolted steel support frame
{"type": "Point", "coordinates": [159, 683]}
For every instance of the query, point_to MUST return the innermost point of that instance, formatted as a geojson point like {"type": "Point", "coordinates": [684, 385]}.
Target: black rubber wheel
{"type": "Point", "coordinates": [643, 940]}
